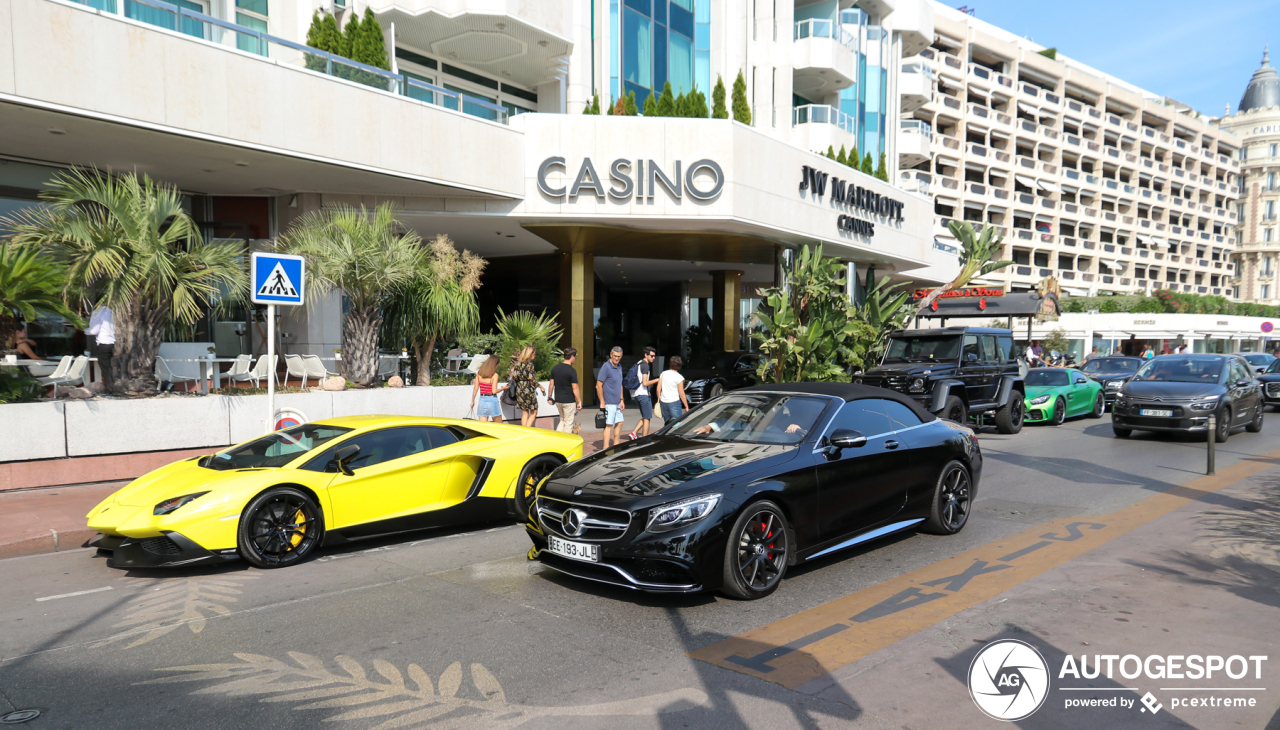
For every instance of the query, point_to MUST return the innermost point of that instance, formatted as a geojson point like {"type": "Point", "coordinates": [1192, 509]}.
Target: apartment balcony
{"type": "Point", "coordinates": [914, 138]}
{"type": "Point", "coordinates": [912, 21]}
{"type": "Point", "coordinates": [915, 85]}
{"type": "Point", "coordinates": [915, 181]}
{"type": "Point", "coordinates": [819, 126]}
{"type": "Point", "coordinates": [824, 58]}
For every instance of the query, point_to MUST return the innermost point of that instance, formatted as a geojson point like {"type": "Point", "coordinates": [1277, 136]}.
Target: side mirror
{"type": "Point", "coordinates": [1243, 382]}
{"type": "Point", "coordinates": [845, 438]}
{"type": "Point", "coordinates": [970, 357]}
{"type": "Point", "coordinates": [344, 455]}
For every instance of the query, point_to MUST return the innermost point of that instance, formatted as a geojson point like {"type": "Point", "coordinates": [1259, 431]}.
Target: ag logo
{"type": "Point", "coordinates": [1008, 680]}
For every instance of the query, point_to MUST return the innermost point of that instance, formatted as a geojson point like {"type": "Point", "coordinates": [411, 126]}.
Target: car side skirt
{"type": "Point", "coordinates": [869, 535]}
{"type": "Point", "coordinates": [472, 510]}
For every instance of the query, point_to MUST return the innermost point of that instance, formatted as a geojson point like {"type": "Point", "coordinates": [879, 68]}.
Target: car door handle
{"type": "Point", "coordinates": [891, 444]}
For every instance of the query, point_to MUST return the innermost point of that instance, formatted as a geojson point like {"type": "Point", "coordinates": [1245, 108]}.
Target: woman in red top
{"type": "Point", "coordinates": [486, 385]}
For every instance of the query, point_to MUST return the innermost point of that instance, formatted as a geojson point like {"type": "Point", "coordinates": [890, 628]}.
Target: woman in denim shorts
{"type": "Point", "coordinates": [486, 386]}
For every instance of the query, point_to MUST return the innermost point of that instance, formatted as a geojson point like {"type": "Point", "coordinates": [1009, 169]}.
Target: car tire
{"type": "Point", "coordinates": [1121, 433]}
{"type": "Point", "coordinates": [1255, 426]}
{"type": "Point", "coordinates": [952, 499]}
{"type": "Point", "coordinates": [1099, 406]}
{"type": "Point", "coordinates": [1059, 412]}
{"type": "Point", "coordinates": [1222, 431]}
{"type": "Point", "coordinates": [530, 477]}
{"type": "Point", "coordinates": [954, 410]}
{"type": "Point", "coordinates": [1009, 418]}
{"type": "Point", "coordinates": [279, 528]}
{"type": "Point", "coordinates": [715, 391]}
{"type": "Point", "coordinates": [753, 546]}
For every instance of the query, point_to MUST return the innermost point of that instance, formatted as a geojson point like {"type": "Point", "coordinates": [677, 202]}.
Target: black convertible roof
{"type": "Point", "coordinates": [847, 391]}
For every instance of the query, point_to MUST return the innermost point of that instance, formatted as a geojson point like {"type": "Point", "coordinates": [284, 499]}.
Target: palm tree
{"type": "Point", "coordinates": [29, 284]}
{"type": "Point", "coordinates": [975, 260]}
{"type": "Point", "coordinates": [128, 240]}
{"type": "Point", "coordinates": [367, 258]}
{"type": "Point", "coordinates": [439, 302]}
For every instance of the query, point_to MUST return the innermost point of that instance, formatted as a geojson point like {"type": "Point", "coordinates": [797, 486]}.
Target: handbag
{"type": "Point", "coordinates": [471, 414]}
{"type": "Point", "coordinates": [506, 398]}
{"type": "Point", "coordinates": [602, 418]}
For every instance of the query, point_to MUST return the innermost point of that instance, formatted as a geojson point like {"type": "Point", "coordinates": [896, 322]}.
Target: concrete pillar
{"type": "Point", "coordinates": [725, 293]}
{"type": "Point", "coordinates": [577, 307]}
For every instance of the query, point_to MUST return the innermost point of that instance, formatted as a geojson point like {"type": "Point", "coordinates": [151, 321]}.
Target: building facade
{"type": "Point", "coordinates": [1257, 124]}
{"type": "Point", "coordinates": [636, 231]}
{"type": "Point", "coordinates": [1107, 187]}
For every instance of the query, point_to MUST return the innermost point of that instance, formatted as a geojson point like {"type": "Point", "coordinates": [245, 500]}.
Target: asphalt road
{"type": "Point", "coordinates": [457, 629]}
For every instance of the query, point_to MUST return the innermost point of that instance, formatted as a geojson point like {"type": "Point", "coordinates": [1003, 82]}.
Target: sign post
{"type": "Point", "coordinates": [277, 279]}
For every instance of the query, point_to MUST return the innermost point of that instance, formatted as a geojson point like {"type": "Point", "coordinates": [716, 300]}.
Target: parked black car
{"type": "Point", "coordinates": [718, 373]}
{"type": "Point", "coordinates": [1180, 392]}
{"type": "Point", "coordinates": [751, 483]}
{"type": "Point", "coordinates": [1112, 372]}
{"type": "Point", "coordinates": [1269, 381]}
{"type": "Point", "coordinates": [1259, 361]}
{"type": "Point", "coordinates": [956, 373]}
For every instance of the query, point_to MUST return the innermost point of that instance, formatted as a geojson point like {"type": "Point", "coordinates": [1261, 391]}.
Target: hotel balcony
{"type": "Point", "coordinates": [913, 142]}
{"type": "Point", "coordinates": [913, 22]}
{"type": "Point", "coordinates": [819, 126]}
{"type": "Point", "coordinates": [825, 58]}
{"type": "Point", "coordinates": [915, 85]}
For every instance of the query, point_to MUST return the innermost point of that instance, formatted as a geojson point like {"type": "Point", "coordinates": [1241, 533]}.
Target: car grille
{"type": "Point", "coordinates": [1273, 390]}
{"type": "Point", "coordinates": [160, 546]}
{"type": "Point", "coordinates": [599, 524]}
{"type": "Point", "coordinates": [893, 382]}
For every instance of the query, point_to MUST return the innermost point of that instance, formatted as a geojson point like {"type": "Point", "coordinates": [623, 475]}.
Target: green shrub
{"type": "Point", "coordinates": [522, 328]}
{"type": "Point", "coordinates": [18, 387]}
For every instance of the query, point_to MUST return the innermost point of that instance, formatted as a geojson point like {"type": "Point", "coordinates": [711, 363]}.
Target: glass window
{"type": "Point", "coordinates": [276, 449]}
{"type": "Point", "coordinates": [253, 6]}
{"type": "Point", "coordinates": [901, 416]}
{"type": "Point", "coordinates": [766, 418]}
{"type": "Point", "coordinates": [637, 47]}
{"type": "Point", "coordinates": [660, 60]}
{"type": "Point", "coordinates": [970, 352]}
{"type": "Point", "coordinates": [868, 417]}
{"type": "Point", "coordinates": [376, 447]}
{"type": "Point", "coordinates": [989, 351]}
{"type": "Point", "coordinates": [681, 65]}
{"type": "Point", "coordinates": [1182, 369]}
{"type": "Point", "coordinates": [441, 437]}
{"type": "Point", "coordinates": [1004, 343]}
{"type": "Point", "coordinates": [1266, 291]}
{"type": "Point", "coordinates": [249, 43]}
{"type": "Point", "coordinates": [926, 348]}
{"type": "Point", "coordinates": [681, 21]}
{"type": "Point", "coordinates": [1051, 377]}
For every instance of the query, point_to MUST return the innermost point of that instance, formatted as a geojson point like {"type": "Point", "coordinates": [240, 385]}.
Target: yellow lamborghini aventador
{"type": "Point", "coordinates": [276, 499]}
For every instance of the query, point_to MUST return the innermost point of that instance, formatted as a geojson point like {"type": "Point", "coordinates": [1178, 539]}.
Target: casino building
{"type": "Point", "coordinates": [634, 230]}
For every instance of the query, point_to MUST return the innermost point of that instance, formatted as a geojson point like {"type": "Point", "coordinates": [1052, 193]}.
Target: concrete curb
{"type": "Point", "coordinates": [54, 542]}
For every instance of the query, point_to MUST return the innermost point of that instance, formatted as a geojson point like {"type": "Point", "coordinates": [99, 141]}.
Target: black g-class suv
{"type": "Point", "coordinates": [957, 372]}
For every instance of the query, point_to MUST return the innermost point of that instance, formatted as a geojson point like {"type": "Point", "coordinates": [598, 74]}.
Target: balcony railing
{"type": "Point", "coordinates": [823, 114]}
{"type": "Point", "coordinates": [917, 126]}
{"type": "Point", "coordinates": [826, 28]}
{"type": "Point", "coordinates": [208, 29]}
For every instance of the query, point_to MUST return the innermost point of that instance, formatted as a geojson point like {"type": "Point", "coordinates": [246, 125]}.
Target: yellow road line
{"type": "Point", "coordinates": [810, 644]}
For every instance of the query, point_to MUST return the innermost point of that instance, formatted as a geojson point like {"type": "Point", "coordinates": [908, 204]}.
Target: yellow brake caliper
{"type": "Point", "coordinates": [299, 520]}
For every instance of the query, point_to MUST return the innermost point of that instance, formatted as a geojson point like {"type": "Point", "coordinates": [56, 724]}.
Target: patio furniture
{"type": "Point", "coordinates": [166, 375]}
{"type": "Point", "coordinates": [74, 376]}
{"type": "Point", "coordinates": [476, 362]}
{"type": "Point", "coordinates": [315, 368]}
{"type": "Point", "coordinates": [266, 366]}
{"type": "Point", "coordinates": [295, 368]}
{"type": "Point", "coordinates": [59, 372]}
{"type": "Point", "coordinates": [453, 361]}
{"type": "Point", "coordinates": [388, 365]}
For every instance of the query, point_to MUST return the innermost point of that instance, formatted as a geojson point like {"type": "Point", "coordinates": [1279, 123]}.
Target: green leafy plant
{"type": "Point", "coordinates": [741, 109]}
{"type": "Point", "coordinates": [1050, 53]}
{"type": "Point", "coordinates": [30, 283]}
{"type": "Point", "coordinates": [367, 256]}
{"type": "Point", "coordinates": [129, 240]}
{"type": "Point", "coordinates": [718, 109]}
{"type": "Point", "coordinates": [439, 302]}
{"type": "Point", "coordinates": [651, 105]}
{"type": "Point", "coordinates": [882, 172]}
{"type": "Point", "coordinates": [18, 387]}
{"type": "Point", "coordinates": [667, 101]}
{"type": "Point", "coordinates": [975, 258]}
{"type": "Point", "coordinates": [325, 36]}
{"type": "Point", "coordinates": [852, 159]}
{"type": "Point", "coordinates": [886, 307]}
{"type": "Point", "coordinates": [1056, 341]}
{"type": "Point", "coordinates": [521, 328]}
{"type": "Point", "coordinates": [867, 164]}
{"type": "Point", "coordinates": [480, 343]}
{"type": "Point", "coordinates": [630, 108]}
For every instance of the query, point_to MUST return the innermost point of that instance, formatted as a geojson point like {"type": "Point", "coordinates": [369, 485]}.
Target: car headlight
{"type": "Point", "coordinates": [1115, 384]}
{"type": "Point", "coordinates": [172, 505]}
{"type": "Point", "coordinates": [1041, 399]}
{"type": "Point", "coordinates": [685, 512]}
{"type": "Point", "coordinates": [1207, 404]}
{"type": "Point", "coordinates": [917, 385]}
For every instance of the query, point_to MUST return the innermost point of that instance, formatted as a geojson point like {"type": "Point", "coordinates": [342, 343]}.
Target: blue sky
{"type": "Point", "coordinates": [1201, 54]}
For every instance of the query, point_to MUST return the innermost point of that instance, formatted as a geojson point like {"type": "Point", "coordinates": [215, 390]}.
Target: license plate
{"type": "Point", "coordinates": [1155, 412]}
{"type": "Point", "coordinates": [576, 550]}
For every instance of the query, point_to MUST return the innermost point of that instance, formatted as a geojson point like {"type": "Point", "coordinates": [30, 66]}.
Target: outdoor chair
{"type": "Point", "coordinates": [265, 367]}
{"type": "Point", "coordinates": [476, 362]}
{"type": "Point", "coordinates": [59, 372]}
{"type": "Point", "coordinates": [315, 368]}
{"type": "Point", "coordinates": [74, 376]}
{"type": "Point", "coordinates": [453, 362]}
{"type": "Point", "coordinates": [388, 365]}
{"type": "Point", "coordinates": [294, 368]}
{"type": "Point", "coordinates": [240, 367]}
{"type": "Point", "coordinates": [165, 375]}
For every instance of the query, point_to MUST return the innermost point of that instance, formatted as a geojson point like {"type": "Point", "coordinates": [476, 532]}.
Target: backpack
{"type": "Point", "coordinates": [631, 380]}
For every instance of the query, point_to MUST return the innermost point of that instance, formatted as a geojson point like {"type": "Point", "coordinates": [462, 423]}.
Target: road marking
{"type": "Point", "coordinates": [811, 644]}
{"type": "Point", "coordinates": [77, 593]}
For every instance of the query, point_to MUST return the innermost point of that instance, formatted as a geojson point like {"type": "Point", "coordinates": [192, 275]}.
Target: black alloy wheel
{"type": "Point", "coordinates": [1255, 426]}
{"type": "Point", "coordinates": [954, 410]}
{"type": "Point", "coordinates": [280, 527]}
{"type": "Point", "coordinates": [1009, 418]}
{"type": "Point", "coordinates": [951, 499]}
{"type": "Point", "coordinates": [534, 472]}
{"type": "Point", "coordinates": [756, 557]}
{"type": "Point", "coordinates": [1099, 406]}
{"type": "Point", "coordinates": [1059, 412]}
{"type": "Point", "coordinates": [1223, 429]}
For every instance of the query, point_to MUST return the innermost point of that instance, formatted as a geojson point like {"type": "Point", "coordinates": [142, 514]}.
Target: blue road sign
{"type": "Point", "coordinates": [276, 278]}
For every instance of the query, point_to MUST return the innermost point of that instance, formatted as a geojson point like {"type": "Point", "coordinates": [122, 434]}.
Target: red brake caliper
{"type": "Point", "coordinates": [767, 536]}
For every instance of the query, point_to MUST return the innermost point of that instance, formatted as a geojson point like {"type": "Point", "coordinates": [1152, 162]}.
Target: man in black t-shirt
{"type": "Point", "coordinates": [641, 395]}
{"type": "Point", "coordinates": [565, 395]}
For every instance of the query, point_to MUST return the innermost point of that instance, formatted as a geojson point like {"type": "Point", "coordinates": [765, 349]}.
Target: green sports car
{"type": "Point", "coordinates": [1056, 394]}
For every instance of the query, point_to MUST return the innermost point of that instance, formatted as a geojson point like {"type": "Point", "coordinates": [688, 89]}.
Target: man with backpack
{"type": "Point", "coordinates": [638, 382]}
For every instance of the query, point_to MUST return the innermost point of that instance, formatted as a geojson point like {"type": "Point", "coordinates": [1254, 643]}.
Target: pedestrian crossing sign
{"type": "Point", "coordinates": [277, 278]}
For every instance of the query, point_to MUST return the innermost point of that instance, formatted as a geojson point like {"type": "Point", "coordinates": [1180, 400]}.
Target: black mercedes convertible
{"type": "Point", "coordinates": [751, 483]}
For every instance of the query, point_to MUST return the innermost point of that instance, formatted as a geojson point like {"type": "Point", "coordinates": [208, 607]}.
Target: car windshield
{"type": "Point", "coordinates": [1047, 377]}
{"type": "Point", "coordinates": [1112, 365]}
{"type": "Point", "coordinates": [1274, 367]}
{"type": "Point", "coordinates": [1259, 358]}
{"type": "Point", "coordinates": [1182, 370]}
{"type": "Point", "coordinates": [275, 449]}
{"type": "Point", "coordinates": [925, 348]}
{"type": "Point", "coordinates": [757, 418]}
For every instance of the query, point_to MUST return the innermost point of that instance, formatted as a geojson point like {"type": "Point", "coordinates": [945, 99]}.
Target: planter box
{"type": "Point", "coordinates": [414, 401]}
{"type": "Point", "coordinates": [119, 426]}
{"type": "Point", "coordinates": [453, 401]}
{"type": "Point", "coordinates": [247, 414]}
{"type": "Point", "coordinates": [32, 431]}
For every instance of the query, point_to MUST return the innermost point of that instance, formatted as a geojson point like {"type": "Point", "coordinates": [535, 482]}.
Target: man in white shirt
{"type": "Point", "coordinates": [103, 329]}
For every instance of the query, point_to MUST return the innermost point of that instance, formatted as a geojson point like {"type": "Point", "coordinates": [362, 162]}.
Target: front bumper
{"type": "Point", "coordinates": [168, 550]}
{"type": "Point", "coordinates": [663, 576]}
{"type": "Point", "coordinates": [1036, 414]}
{"type": "Point", "coordinates": [1182, 421]}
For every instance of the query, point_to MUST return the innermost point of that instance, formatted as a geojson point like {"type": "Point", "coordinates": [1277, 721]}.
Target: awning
{"type": "Point", "coordinates": [1029, 182]}
{"type": "Point", "coordinates": [1157, 241]}
{"type": "Point", "coordinates": [1144, 238]}
{"type": "Point", "coordinates": [1155, 335]}
{"type": "Point", "coordinates": [1112, 264]}
{"type": "Point", "coordinates": [979, 92]}
{"type": "Point", "coordinates": [1070, 189]}
{"type": "Point", "coordinates": [1024, 106]}
{"type": "Point", "coordinates": [1076, 292]}
{"type": "Point", "coordinates": [946, 200]}
{"type": "Point", "coordinates": [973, 204]}
{"type": "Point", "coordinates": [1047, 186]}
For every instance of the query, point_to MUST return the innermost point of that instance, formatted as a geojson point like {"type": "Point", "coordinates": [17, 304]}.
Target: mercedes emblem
{"type": "Point", "coordinates": [572, 521]}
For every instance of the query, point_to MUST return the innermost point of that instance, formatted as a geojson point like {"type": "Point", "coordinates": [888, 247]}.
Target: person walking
{"type": "Point", "coordinates": [641, 395]}
{"type": "Point", "coordinates": [523, 381]}
{"type": "Point", "coordinates": [609, 396]}
{"type": "Point", "coordinates": [1148, 353]}
{"type": "Point", "coordinates": [1093, 354]}
{"type": "Point", "coordinates": [671, 398]}
{"type": "Point", "coordinates": [486, 385]}
{"type": "Point", "coordinates": [103, 329]}
{"type": "Point", "coordinates": [565, 395]}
